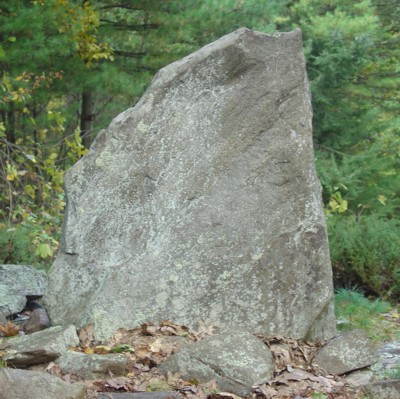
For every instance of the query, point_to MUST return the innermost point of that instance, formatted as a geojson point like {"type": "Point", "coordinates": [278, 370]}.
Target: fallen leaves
{"type": "Point", "coordinates": [117, 384]}
{"type": "Point", "coordinates": [393, 316]}
{"type": "Point", "coordinates": [291, 353]}
{"type": "Point", "coordinates": [9, 329]}
{"type": "Point", "coordinates": [297, 376]}
{"type": "Point", "coordinates": [86, 335]}
{"type": "Point", "coordinates": [149, 345]}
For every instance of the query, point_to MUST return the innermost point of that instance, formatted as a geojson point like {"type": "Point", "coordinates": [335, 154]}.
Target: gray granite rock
{"type": "Point", "coordinates": [92, 366]}
{"type": "Point", "coordinates": [40, 347]}
{"type": "Point", "coordinates": [348, 351]}
{"type": "Point", "coordinates": [27, 384]}
{"type": "Point", "coordinates": [389, 389]}
{"type": "Point", "coordinates": [236, 360]}
{"type": "Point", "coordinates": [38, 320]}
{"type": "Point", "coordinates": [19, 283]}
{"type": "Point", "coordinates": [386, 367]}
{"type": "Point", "coordinates": [202, 202]}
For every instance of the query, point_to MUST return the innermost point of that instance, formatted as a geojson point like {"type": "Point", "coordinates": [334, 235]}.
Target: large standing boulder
{"type": "Point", "coordinates": [202, 202]}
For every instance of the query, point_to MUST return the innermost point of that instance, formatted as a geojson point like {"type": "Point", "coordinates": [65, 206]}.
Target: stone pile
{"type": "Point", "coordinates": [20, 286]}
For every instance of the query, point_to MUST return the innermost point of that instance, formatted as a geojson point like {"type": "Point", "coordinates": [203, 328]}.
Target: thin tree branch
{"type": "Point", "coordinates": [129, 54]}
{"type": "Point", "coordinates": [135, 28]}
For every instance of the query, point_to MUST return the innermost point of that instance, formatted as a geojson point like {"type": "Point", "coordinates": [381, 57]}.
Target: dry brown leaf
{"type": "Point", "coordinates": [265, 390]}
{"type": "Point", "coordinates": [157, 345]}
{"type": "Point", "coordinates": [54, 369]}
{"type": "Point", "coordinates": [210, 385]}
{"type": "Point", "coordinates": [140, 367]}
{"type": "Point", "coordinates": [189, 389]}
{"type": "Point", "coordinates": [86, 335]}
{"type": "Point", "coordinates": [141, 387]}
{"type": "Point", "coordinates": [169, 328]}
{"type": "Point", "coordinates": [149, 329]}
{"type": "Point", "coordinates": [296, 375]}
{"type": "Point", "coordinates": [9, 329]}
{"type": "Point", "coordinates": [88, 351]}
{"type": "Point", "coordinates": [222, 395]}
{"type": "Point", "coordinates": [175, 380]}
{"type": "Point", "coordinates": [142, 352]}
{"type": "Point", "coordinates": [118, 383]}
{"type": "Point", "coordinates": [101, 349]}
{"type": "Point", "coordinates": [204, 330]}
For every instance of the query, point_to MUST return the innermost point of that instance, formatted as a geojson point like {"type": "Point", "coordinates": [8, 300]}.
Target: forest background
{"type": "Point", "coordinates": [68, 67]}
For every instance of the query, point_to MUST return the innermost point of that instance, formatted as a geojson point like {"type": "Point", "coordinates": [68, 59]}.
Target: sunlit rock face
{"type": "Point", "coordinates": [202, 202]}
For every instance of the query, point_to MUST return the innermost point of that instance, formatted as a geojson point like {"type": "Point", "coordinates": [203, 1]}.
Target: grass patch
{"type": "Point", "coordinates": [355, 311]}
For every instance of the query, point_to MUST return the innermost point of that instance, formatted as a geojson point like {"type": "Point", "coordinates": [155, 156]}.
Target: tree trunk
{"type": "Point", "coordinates": [87, 117]}
{"type": "Point", "coordinates": [9, 122]}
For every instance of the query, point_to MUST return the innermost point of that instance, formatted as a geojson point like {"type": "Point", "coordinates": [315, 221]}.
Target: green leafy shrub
{"type": "Point", "coordinates": [32, 164]}
{"type": "Point", "coordinates": [366, 252]}
{"type": "Point", "coordinates": [14, 245]}
{"type": "Point", "coordinates": [27, 244]}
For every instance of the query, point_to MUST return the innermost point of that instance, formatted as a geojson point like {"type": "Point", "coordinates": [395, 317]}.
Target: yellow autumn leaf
{"type": "Point", "coordinates": [343, 206]}
{"type": "Point", "coordinates": [382, 199]}
{"type": "Point", "coordinates": [101, 349]}
{"type": "Point", "coordinates": [12, 173]}
{"type": "Point", "coordinates": [333, 204]}
{"type": "Point", "coordinates": [15, 96]}
{"type": "Point", "coordinates": [30, 191]}
{"type": "Point", "coordinates": [44, 251]}
{"type": "Point", "coordinates": [31, 157]}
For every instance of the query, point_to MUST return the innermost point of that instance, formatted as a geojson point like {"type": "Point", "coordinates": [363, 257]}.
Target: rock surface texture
{"type": "Point", "coordinates": [383, 390]}
{"type": "Point", "coordinates": [26, 384]}
{"type": "Point", "coordinates": [348, 351]}
{"type": "Point", "coordinates": [237, 361]}
{"type": "Point", "coordinates": [202, 202]}
{"type": "Point", "coordinates": [39, 347]}
{"type": "Point", "coordinates": [92, 366]}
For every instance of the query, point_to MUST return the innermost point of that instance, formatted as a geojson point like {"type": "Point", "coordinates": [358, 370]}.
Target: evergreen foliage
{"type": "Point", "coordinates": [366, 253]}
{"type": "Point", "coordinates": [68, 67]}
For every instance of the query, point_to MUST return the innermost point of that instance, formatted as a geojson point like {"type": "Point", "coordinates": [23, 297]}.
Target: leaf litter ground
{"type": "Point", "coordinates": [148, 346]}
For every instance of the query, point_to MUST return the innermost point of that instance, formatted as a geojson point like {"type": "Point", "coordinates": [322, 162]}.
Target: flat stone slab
{"type": "Point", "coordinates": [27, 384]}
{"type": "Point", "coordinates": [92, 366]}
{"type": "Point", "coordinates": [19, 283]}
{"type": "Point", "coordinates": [388, 364]}
{"type": "Point", "coordinates": [236, 360]}
{"type": "Point", "coordinates": [39, 347]}
{"type": "Point", "coordinates": [382, 389]}
{"type": "Point", "coordinates": [349, 351]}
{"type": "Point", "coordinates": [212, 209]}
{"type": "Point", "coordinates": [386, 367]}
